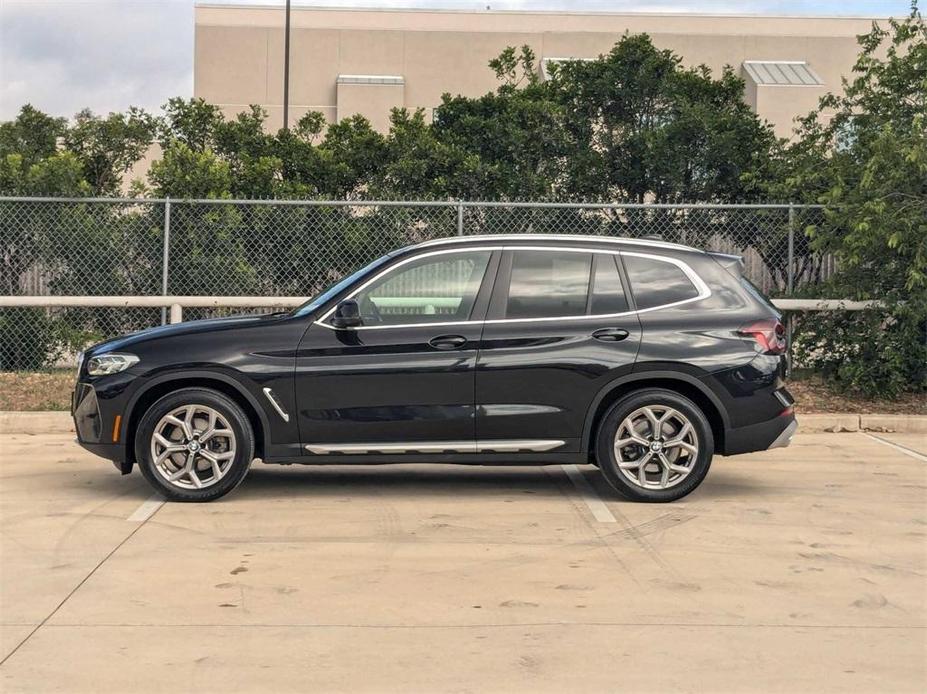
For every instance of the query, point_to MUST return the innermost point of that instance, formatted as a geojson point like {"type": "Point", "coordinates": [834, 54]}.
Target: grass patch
{"type": "Point", "coordinates": [36, 390]}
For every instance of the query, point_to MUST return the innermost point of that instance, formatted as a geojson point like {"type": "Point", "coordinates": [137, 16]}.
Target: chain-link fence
{"type": "Point", "coordinates": [104, 247]}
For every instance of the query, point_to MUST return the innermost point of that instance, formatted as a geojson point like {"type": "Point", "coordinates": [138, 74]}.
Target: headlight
{"type": "Point", "coordinates": [106, 364]}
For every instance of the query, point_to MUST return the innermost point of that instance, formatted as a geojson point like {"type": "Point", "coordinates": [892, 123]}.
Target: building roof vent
{"type": "Point", "coordinates": [782, 73]}
{"type": "Point", "coordinates": [370, 79]}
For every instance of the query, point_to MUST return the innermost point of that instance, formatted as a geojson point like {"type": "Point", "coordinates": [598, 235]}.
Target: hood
{"type": "Point", "coordinates": [126, 342]}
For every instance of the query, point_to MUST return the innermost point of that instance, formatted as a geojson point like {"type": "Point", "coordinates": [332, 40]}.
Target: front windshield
{"type": "Point", "coordinates": [333, 290]}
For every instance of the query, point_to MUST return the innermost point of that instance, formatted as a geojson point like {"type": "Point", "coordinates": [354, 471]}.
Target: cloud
{"type": "Point", "coordinates": [64, 55]}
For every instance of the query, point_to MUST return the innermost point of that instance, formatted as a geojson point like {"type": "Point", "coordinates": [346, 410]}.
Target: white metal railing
{"type": "Point", "coordinates": [176, 304]}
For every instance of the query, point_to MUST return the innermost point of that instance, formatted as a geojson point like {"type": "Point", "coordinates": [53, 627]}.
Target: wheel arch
{"type": "Point", "coordinates": [682, 383]}
{"type": "Point", "coordinates": [168, 383]}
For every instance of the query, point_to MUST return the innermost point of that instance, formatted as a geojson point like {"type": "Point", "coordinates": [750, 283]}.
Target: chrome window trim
{"type": "Point", "coordinates": [703, 289]}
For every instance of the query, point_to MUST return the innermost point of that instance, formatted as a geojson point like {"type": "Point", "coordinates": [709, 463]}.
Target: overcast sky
{"type": "Point", "coordinates": [63, 55]}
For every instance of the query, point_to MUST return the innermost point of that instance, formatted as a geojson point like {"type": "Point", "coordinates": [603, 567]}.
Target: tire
{"type": "Point", "coordinates": [222, 445]}
{"type": "Point", "coordinates": [670, 471]}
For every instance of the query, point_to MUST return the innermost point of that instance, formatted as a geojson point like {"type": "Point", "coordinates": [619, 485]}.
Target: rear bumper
{"type": "Point", "coordinates": [785, 438]}
{"type": "Point", "coordinates": [774, 433]}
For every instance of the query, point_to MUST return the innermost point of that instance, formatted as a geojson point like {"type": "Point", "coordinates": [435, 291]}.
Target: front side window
{"type": "Point", "coordinates": [548, 284]}
{"type": "Point", "coordinates": [336, 288]}
{"type": "Point", "coordinates": [434, 289]}
{"type": "Point", "coordinates": [657, 282]}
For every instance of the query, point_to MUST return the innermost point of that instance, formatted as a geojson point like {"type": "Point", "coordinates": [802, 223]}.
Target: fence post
{"type": "Point", "coordinates": [176, 313]}
{"type": "Point", "coordinates": [460, 218]}
{"type": "Point", "coordinates": [790, 284]}
{"type": "Point", "coordinates": [166, 257]}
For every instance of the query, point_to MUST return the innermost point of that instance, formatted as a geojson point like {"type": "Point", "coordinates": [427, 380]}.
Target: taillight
{"type": "Point", "coordinates": [769, 335]}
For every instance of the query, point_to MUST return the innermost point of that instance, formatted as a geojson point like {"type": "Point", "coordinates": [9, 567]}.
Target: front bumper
{"type": "Point", "coordinates": [85, 410]}
{"type": "Point", "coordinates": [98, 429]}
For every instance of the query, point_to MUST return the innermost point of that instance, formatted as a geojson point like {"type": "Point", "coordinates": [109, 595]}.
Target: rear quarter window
{"type": "Point", "coordinates": [657, 282]}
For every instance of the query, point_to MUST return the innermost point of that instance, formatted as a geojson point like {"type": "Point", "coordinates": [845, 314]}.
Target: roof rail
{"type": "Point", "coordinates": [558, 237]}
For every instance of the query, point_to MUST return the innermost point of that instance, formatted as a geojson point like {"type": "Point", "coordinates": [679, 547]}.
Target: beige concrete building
{"type": "Point", "coordinates": [346, 61]}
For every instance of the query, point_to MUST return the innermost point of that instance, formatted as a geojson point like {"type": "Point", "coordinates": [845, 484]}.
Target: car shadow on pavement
{"type": "Point", "coordinates": [85, 481]}
{"type": "Point", "coordinates": [456, 480]}
{"type": "Point", "coordinates": [360, 480]}
{"type": "Point", "coordinates": [275, 481]}
{"type": "Point", "coordinates": [731, 485]}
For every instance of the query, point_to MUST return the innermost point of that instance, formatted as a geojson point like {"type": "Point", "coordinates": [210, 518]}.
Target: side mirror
{"type": "Point", "coordinates": [347, 315]}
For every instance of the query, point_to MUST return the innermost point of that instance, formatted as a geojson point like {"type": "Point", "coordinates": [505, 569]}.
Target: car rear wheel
{"type": "Point", "coordinates": [654, 445]}
{"type": "Point", "coordinates": [194, 444]}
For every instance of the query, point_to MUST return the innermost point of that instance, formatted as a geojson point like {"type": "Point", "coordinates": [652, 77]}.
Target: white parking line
{"type": "Point", "coordinates": [595, 505]}
{"type": "Point", "coordinates": [897, 447]}
{"type": "Point", "coordinates": [147, 509]}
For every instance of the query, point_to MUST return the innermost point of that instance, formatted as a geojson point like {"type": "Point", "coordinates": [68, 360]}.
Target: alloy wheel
{"type": "Point", "coordinates": [656, 447]}
{"type": "Point", "coordinates": [193, 447]}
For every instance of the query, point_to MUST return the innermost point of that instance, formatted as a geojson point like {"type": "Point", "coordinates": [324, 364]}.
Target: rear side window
{"type": "Point", "coordinates": [548, 284]}
{"type": "Point", "coordinates": [657, 282]}
{"type": "Point", "coordinates": [607, 292]}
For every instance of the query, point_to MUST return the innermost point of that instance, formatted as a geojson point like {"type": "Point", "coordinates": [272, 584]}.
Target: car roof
{"type": "Point", "coordinates": [539, 238]}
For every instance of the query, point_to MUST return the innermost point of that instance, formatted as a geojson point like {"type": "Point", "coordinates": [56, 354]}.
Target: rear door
{"type": "Point", "coordinates": [559, 327]}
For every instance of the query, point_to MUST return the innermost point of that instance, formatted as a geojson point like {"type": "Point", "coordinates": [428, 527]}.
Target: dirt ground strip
{"type": "Point", "coordinates": [798, 569]}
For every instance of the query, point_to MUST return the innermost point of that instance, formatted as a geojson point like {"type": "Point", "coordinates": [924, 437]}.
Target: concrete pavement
{"type": "Point", "coordinates": [795, 569]}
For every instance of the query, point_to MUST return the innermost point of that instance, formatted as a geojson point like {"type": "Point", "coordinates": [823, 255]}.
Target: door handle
{"type": "Point", "coordinates": [610, 334]}
{"type": "Point", "coordinates": [448, 341]}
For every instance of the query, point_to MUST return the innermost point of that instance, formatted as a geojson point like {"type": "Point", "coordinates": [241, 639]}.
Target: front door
{"type": "Point", "coordinates": [404, 380]}
{"type": "Point", "coordinates": [559, 328]}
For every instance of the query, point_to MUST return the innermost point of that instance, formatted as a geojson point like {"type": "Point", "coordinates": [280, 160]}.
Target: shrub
{"type": "Point", "coordinates": [28, 339]}
{"type": "Point", "coordinates": [874, 353]}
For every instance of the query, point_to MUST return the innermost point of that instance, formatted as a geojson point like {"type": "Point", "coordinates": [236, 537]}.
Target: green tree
{"type": "Point", "coordinates": [31, 162]}
{"type": "Point", "coordinates": [867, 163]}
{"type": "Point", "coordinates": [42, 155]}
{"type": "Point", "coordinates": [348, 157]}
{"type": "Point", "coordinates": [511, 143]}
{"type": "Point", "coordinates": [32, 134]}
{"type": "Point", "coordinates": [417, 165]}
{"type": "Point", "coordinates": [107, 148]}
{"type": "Point", "coordinates": [191, 121]}
{"type": "Point", "coordinates": [183, 172]}
{"type": "Point", "coordinates": [302, 165]}
{"type": "Point", "coordinates": [647, 129]}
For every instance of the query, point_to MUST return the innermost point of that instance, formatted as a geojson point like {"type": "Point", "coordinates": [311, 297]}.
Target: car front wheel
{"type": "Point", "coordinates": [194, 444]}
{"type": "Point", "coordinates": [654, 445]}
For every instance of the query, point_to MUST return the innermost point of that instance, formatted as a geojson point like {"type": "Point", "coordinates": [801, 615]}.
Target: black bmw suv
{"type": "Point", "coordinates": [642, 357]}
